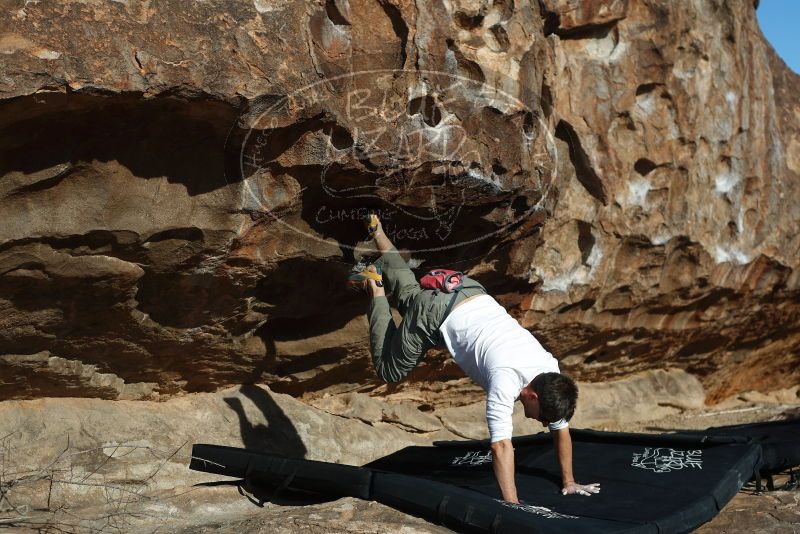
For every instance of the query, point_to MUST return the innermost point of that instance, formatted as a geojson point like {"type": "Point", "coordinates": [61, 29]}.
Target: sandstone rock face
{"type": "Point", "coordinates": [677, 248]}
{"type": "Point", "coordinates": [180, 188]}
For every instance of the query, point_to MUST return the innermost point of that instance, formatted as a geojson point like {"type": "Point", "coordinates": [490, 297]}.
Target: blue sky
{"type": "Point", "coordinates": [778, 20]}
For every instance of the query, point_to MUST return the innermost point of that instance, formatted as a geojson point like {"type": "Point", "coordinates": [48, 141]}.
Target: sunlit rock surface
{"type": "Point", "coordinates": [79, 465]}
{"type": "Point", "coordinates": [180, 188]}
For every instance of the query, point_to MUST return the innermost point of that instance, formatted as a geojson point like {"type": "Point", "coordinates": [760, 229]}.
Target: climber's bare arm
{"type": "Point", "coordinates": [563, 444]}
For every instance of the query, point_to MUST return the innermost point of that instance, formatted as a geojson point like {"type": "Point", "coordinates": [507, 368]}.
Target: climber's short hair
{"type": "Point", "coordinates": [558, 396]}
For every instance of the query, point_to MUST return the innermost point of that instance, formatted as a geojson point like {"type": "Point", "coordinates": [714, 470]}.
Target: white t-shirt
{"type": "Point", "coordinates": [499, 355]}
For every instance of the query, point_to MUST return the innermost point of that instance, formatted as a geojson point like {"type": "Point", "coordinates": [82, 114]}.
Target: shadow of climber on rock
{"type": "Point", "coordinates": [277, 436]}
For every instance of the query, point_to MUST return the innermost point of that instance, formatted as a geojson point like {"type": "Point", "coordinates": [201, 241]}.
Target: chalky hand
{"type": "Point", "coordinates": [580, 489]}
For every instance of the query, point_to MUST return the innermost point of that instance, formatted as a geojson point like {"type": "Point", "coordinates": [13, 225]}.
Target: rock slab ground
{"type": "Point", "coordinates": [90, 465]}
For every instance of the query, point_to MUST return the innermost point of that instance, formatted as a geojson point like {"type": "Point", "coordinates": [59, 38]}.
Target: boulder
{"type": "Point", "coordinates": [181, 189]}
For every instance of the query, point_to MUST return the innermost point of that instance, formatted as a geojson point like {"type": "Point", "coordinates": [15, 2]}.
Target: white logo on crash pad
{"type": "Point", "coordinates": [538, 510]}
{"type": "Point", "coordinates": [473, 458]}
{"type": "Point", "coordinates": [664, 460]}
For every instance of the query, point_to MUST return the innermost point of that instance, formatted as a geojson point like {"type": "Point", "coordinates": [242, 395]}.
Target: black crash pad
{"type": "Point", "coordinates": [779, 440]}
{"type": "Point", "coordinates": [650, 483]}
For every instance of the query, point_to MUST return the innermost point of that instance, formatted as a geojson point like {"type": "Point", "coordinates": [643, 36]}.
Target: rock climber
{"type": "Point", "coordinates": [489, 345]}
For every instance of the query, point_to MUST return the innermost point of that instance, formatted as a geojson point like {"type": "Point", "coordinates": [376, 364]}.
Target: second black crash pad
{"type": "Point", "coordinates": [650, 483]}
{"type": "Point", "coordinates": [779, 440]}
